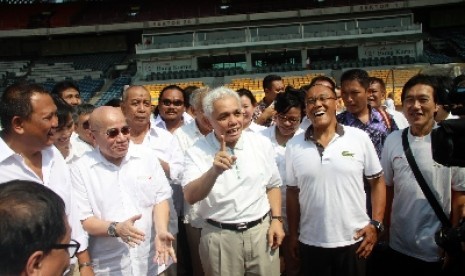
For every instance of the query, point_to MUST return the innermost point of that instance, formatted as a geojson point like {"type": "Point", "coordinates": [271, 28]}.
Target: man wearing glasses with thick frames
{"type": "Point", "coordinates": [35, 237]}
{"type": "Point", "coordinates": [122, 197]}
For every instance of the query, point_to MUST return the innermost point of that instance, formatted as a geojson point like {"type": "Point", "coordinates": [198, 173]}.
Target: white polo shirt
{"type": "Point", "coordinates": [187, 135]}
{"type": "Point", "coordinates": [56, 176]}
{"type": "Point", "coordinates": [116, 193]}
{"type": "Point", "coordinates": [413, 221]}
{"type": "Point", "coordinates": [239, 194]}
{"type": "Point", "coordinates": [332, 196]}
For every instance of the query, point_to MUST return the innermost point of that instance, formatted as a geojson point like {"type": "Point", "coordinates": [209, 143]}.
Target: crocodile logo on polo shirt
{"type": "Point", "coordinates": [347, 153]}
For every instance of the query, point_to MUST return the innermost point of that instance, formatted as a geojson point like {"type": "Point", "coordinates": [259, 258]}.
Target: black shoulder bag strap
{"type": "Point", "coordinates": [423, 185]}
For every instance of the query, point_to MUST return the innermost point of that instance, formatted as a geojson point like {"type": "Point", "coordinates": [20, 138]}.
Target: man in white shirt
{"type": "Point", "coordinates": [326, 202]}
{"type": "Point", "coordinates": [123, 197]}
{"type": "Point", "coordinates": [187, 135]}
{"type": "Point", "coordinates": [81, 140]}
{"type": "Point", "coordinates": [233, 176]}
{"type": "Point", "coordinates": [413, 222]}
{"type": "Point", "coordinates": [376, 94]}
{"type": "Point", "coordinates": [28, 117]}
{"type": "Point", "coordinates": [136, 107]}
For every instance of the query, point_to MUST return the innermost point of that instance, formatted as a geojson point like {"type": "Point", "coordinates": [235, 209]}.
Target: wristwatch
{"type": "Point", "coordinates": [378, 225]}
{"type": "Point", "coordinates": [111, 231]}
{"type": "Point", "coordinates": [280, 218]}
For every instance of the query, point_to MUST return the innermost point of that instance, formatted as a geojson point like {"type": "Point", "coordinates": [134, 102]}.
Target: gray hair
{"type": "Point", "coordinates": [217, 94]}
{"type": "Point", "coordinates": [197, 96]}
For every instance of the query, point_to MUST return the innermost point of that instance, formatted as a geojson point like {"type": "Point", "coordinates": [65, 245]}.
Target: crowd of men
{"type": "Point", "coordinates": [308, 181]}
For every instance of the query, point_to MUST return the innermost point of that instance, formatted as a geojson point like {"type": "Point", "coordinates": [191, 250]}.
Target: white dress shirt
{"type": "Point", "coordinates": [239, 194]}
{"type": "Point", "coordinates": [187, 135]}
{"type": "Point", "coordinates": [55, 174]}
{"type": "Point", "coordinates": [116, 193]}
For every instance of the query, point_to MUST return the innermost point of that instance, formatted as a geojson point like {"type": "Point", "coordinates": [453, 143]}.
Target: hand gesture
{"type": "Point", "coordinates": [129, 233]}
{"type": "Point", "coordinates": [164, 248]}
{"type": "Point", "coordinates": [223, 161]}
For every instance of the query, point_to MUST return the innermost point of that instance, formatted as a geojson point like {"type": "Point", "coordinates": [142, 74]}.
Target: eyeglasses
{"type": "Point", "coordinates": [167, 102]}
{"type": "Point", "coordinates": [291, 120]}
{"type": "Point", "coordinates": [72, 247]}
{"type": "Point", "coordinates": [321, 98]}
{"type": "Point", "coordinates": [113, 132]}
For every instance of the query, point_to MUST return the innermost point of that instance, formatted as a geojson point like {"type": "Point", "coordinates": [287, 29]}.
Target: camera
{"type": "Point", "coordinates": [448, 140]}
{"type": "Point", "coordinates": [450, 238]}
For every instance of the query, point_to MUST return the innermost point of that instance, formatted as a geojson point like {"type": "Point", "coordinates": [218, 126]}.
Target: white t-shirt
{"type": "Point", "coordinates": [332, 196]}
{"type": "Point", "coordinates": [239, 194]}
{"type": "Point", "coordinates": [399, 118]}
{"type": "Point", "coordinates": [413, 221]}
{"type": "Point", "coordinates": [116, 193]}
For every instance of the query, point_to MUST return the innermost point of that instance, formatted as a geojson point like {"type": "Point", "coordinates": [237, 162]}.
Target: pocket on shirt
{"type": "Point", "coordinates": [145, 191]}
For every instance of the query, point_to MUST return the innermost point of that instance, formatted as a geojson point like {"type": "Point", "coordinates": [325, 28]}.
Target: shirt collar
{"type": "Point", "coordinates": [134, 151]}
{"type": "Point", "coordinates": [310, 131]}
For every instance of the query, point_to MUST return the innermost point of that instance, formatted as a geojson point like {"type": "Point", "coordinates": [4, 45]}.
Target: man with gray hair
{"type": "Point", "coordinates": [233, 176]}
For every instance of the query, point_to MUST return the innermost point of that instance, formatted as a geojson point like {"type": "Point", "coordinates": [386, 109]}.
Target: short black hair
{"type": "Point", "coordinates": [16, 101]}
{"type": "Point", "coordinates": [359, 75]}
{"type": "Point", "coordinates": [61, 86]}
{"type": "Point", "coordinates": [322, 78]}
{"type": "Point", "coordinates": [377, 80]}
{"type": "Point", "coordinates": [268, 80]}
{"type": "Point", "coordinates": [32, 218]}
{"type": "Point", "coordinates": [421, 79]}
{"type": "Point", "coordinates": [288, 99]}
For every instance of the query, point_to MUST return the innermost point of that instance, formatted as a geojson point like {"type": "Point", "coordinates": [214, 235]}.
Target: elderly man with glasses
{"type": "Point", "coordinates": [122, 195]}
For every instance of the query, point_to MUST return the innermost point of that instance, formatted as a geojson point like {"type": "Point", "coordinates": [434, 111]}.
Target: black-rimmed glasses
{"type": "Point", "coordinates": [72, 247]}
{"type": "Point", "coordinates": [291, 120]}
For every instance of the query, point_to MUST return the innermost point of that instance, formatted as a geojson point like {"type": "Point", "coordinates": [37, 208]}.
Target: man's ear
{"type": "Point", "coordinates": [17, 124]}
{"type": "Point", "coordinates": [34, 263]}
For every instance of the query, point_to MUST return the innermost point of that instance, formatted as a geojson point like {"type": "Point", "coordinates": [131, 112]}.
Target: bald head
{"type": "Point", "coordinates": [104, 116]}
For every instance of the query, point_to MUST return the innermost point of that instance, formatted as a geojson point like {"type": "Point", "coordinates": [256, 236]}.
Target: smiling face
{"type": "Point", "coordinates": [321, 106]}
{"type": "Point", "coordinates": [376, 94]}
{"type": "Point", "coordinates": [288, 123]}
{"type": "Point", "coordinates": [39, 128]}
{"type": "Point", "coordinates": [248, 109]}
{"type": "Point", "coordinates": [419, 108]}
{"type": "Point", "coordinates": [354, 96]}
{"type": "Point", "coordinates": [137, 106]}
{"type": "Point", "coordinates": [103, 120]}
{"type": "Point", "coordinates": [62, 136]}
{"type": "Point", "coordinates": [227, 119]}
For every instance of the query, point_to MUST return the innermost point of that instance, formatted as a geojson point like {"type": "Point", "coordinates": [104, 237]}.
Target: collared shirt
{"type": "Point", "coordinates": [166, 148]}
{"type": "Point", "coordinates": [55, 173]}
{"type": "Point", "coordinates": [240, 193]}
{"type": "Point", "coordinates": [159, 122]}
{"type": "Point", "coordinates": [279, 150]}
{"type": "Point", "coordinates": [332, 196]}
{"type": "Point", "coordinates": [375, 127]}
{"type": "Point", "coordinates": [187, 135]}
{"type": "Point", "coordinates": [413, 220]}
{"type": "Point", "coordinates": [116, 193]}
{"type": "Point", "coordinates": [254, 127]}
{"type": "Point", "coordinates": [79, 146]}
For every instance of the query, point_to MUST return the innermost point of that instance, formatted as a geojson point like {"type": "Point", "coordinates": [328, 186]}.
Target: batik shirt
{"type": "Point", "coordinates": [375, 128]}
